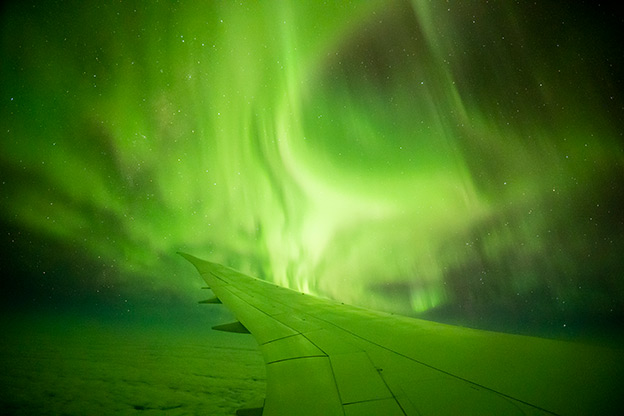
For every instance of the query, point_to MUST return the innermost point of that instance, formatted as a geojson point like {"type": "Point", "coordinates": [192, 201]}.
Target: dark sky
{"type": "Point", "coordinates": [460, 161]}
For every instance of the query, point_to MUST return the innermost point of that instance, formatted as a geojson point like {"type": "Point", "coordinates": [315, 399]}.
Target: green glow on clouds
{"type": "Point", "coordinates": [402, 156]}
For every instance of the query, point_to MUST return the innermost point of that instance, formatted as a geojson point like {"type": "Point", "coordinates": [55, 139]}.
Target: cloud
{"type": "Point", "coordinates": [61, 365]}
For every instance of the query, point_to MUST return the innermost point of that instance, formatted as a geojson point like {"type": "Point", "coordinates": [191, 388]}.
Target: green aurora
{"type": "Point", "coordinates": [455, 160]}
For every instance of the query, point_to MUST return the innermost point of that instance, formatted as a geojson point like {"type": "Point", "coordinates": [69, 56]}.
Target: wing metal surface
{"type": "Point", "coordinates": [327, 358]}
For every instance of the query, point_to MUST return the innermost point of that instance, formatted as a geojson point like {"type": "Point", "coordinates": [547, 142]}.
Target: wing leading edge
{"type": "Point", "coordinates": [327, 358]}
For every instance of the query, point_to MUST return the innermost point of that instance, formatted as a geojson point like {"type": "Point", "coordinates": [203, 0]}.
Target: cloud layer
{"type": "Point", "coordinates": [76, 367]}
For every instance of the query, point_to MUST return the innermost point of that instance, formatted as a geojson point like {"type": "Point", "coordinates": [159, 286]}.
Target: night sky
{"type": "Point", "coordinates": [458, 161]}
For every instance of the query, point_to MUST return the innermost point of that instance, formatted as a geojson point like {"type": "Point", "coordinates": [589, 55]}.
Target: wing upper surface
{"type": "Point", "coordinates": [326, 358]}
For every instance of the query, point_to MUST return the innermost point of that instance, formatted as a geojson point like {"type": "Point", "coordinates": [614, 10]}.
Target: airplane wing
{"type": "Point", "coordinates": [327, 358]}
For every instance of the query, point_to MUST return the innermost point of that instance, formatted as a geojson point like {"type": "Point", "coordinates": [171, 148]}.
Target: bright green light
{"type": "Point", "coordinates": [329, 148]}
